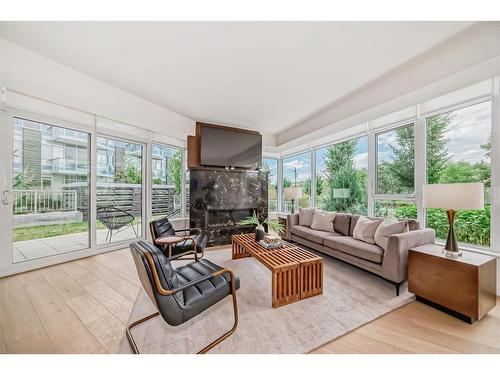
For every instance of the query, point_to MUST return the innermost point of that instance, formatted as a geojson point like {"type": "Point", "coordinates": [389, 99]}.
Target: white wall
{"type": "Point", "coordinates": [467, 58]}
{"type": "Point", "coordinates": [25, 72]}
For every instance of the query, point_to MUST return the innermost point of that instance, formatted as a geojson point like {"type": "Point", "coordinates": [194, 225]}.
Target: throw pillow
{"type": "Point", "coordinates": [323, 220]}
{"type": "Point", "coordinates": [306, 216]}
{"type": "Point", "coordinates": [342, 223]}
{"type": "Point", "coordinates": [365, 229]}
{"type": "Point", "coordinates": [388, 228]}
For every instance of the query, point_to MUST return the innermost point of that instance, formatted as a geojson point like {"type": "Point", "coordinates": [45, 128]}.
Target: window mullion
{"type": "Point", "coordinates": [372, 171]}
{"type": "Point", "coordinates": [420, 166]}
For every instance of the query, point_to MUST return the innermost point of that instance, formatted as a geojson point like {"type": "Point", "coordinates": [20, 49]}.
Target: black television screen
{"type": "Point", "coordinates": [230, 148]}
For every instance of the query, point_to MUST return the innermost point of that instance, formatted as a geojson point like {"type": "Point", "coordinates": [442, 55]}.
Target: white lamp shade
{"type": "Point", "coordinates": [292, 193]}
{"type": "Point", "coordinates": [468, 196]}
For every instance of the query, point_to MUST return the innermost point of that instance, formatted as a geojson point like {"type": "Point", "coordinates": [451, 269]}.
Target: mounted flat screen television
{"type": "Point", "coordinates": [221, 147]}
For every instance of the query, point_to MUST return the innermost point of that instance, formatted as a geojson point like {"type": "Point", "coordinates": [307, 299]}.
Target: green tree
{"type": "Point", "coordinates": [402, 167]}
{"type": "Point", "coordinates": [487, 147]}
{"type": "Point", "coordinates": [340, 173]}
{"type": "Point", "coordinates": [437, 146]}
{"type": "Point", "coordinates": [23, 179]}
{"type": "Point", "coordinates": [175, 170]}
{"type": "Point", "coordinates": [286, 182]}
{"type": "Point", "coordinates": [319, 186]}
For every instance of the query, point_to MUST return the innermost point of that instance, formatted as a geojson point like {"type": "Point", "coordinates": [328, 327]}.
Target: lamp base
{"type": "Point", "coordinates": [452, 254]}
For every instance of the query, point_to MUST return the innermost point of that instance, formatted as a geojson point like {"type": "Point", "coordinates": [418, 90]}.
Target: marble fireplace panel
{"type": "Point", "coordinates": [220, 198]}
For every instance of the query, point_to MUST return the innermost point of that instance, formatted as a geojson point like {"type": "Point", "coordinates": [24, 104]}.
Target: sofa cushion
{"type": "Point", "coordinates": [323, 220]}
{"type": "Point", "coordinates": [387, 228]}
{"type": "Point", "coordinates": [356, 248]}
{"type": "Point", "coordinates": [365, 229]}
{"type": "Point", "coordinates": [313, 235]}
{"type": "Point", "coordinates": [341, 223]}
{"type": "Point", "coordinates": [306, 216]}
{"type": "Point", "coordinates": [412, 223]}
{"type": "Point", "coordinates": [354, 221]}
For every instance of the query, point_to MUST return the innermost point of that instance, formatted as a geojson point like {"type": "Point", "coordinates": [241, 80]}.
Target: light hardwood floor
{"type": "Point", "coordinates": [83, 306]}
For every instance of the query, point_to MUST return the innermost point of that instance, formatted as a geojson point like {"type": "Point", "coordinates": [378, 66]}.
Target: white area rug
{"type": "Point", "coordinates": [351, 298]}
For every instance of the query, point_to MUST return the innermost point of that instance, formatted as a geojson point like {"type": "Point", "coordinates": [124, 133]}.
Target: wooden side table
{"type": "Point", "coordinates": [172, 240]}
{"type": "Point", "coordinates": [464, 287]}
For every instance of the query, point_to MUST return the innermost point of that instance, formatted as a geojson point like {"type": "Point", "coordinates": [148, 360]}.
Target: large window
{"type": "Point", "coordinates": [402, 209]}
{"type": "Point", "coordinates": [119, 190]}
{"type": "Point", "coordinates": [396, 161]}
{"type": "Point", "coordinates": [271, 167]}
{"type": "Point", "coordinates": [341, 176]}
{"type": "Point", "coordinates": [458, 150]}
{"type": "Point", "coordinates": [50, 213]}
{"type": "Point", "coordinates": [167, 173]}
{"type": "Point", "coordinates": [297, 174]}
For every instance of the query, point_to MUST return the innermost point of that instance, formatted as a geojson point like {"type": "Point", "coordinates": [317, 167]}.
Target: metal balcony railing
{"type": "Point", "coordinates": [40, 201]}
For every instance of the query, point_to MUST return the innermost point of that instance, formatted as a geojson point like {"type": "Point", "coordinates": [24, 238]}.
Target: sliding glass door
{"type": "Point", "coordinates": [50, 189]}
{"type": "Point", "coordinates": [119, 190]}
{"type": "Point", "coordinates": [166, 174]}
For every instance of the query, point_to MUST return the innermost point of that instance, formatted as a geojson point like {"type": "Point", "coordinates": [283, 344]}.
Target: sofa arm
{"type": "Point", "coordinates": [395, 262]}
{"type": "Point", "coordinates": [291, 220]}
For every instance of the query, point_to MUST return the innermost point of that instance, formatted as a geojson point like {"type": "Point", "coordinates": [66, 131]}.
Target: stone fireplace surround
{"type": "Point", "coordinates": [220, 198]}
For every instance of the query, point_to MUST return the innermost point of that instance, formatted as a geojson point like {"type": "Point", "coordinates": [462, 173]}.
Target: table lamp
{"type": "Point", "coordinates": [292, 194]}
{"type": "Point", "coordinates": [466, 196]}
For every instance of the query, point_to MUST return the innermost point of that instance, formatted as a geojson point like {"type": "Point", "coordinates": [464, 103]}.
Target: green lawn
{"type": "Point", "coordinates": [53, 230]}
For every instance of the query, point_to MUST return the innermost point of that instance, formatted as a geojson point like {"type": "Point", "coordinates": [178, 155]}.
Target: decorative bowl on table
{"type": "Point", "coordinates": [271, 242]}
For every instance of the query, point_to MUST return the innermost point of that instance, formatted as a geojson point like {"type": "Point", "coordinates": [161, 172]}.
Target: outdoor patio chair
{"type": "Point", "coordinates": [115, 220]}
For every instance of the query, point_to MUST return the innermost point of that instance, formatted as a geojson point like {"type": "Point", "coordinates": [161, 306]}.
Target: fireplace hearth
{"type": "Point", "coordinates": [226, 218]}
{"type": "Point", "coordinates": [220, 199]}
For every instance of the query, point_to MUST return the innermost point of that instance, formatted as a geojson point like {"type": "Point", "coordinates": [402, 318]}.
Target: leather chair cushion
{"type": "Point", "coordinates": [207, 292]}
{"type": "Point", "coordinates": [166, 272]}
{"type": "Point", "coordinates": [357, 248]}
{"type": "Point", "coordinates": [184, 305]}
{"type": "Point", "coordinates": [162, 227]}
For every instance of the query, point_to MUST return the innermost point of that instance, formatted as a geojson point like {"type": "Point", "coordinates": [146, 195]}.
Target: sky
{"type": "Point", "coordinates": [469, 129]}
{"type": "Point", "coordinates": [303, 164]}
{"type": "Point", "coordinates": [360, 157]}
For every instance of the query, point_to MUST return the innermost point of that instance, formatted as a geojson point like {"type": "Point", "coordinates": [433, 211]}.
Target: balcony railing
{"type": "Point", "coordinates": [287, 206]}
{"type": "Point", "coordinates": [39, 201]}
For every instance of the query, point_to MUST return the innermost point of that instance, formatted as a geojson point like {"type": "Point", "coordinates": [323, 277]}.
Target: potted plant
{"type": "Point", "coordinates": [260, 232]}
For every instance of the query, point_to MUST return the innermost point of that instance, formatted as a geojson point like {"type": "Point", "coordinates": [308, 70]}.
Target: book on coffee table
{"type": "Point", "coordinates": [271, 245]}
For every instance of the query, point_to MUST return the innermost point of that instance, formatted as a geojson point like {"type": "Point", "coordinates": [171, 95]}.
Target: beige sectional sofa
{"type": "Point", "coordinates": [390, 264]}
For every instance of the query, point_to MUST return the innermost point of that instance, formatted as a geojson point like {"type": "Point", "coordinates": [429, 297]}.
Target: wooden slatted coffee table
{"type": "Point", "coordinates": [297, 273]}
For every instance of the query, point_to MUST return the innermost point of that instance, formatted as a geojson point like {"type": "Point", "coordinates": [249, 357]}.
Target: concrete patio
{"type": "Point", "coordinates": [43, 247]}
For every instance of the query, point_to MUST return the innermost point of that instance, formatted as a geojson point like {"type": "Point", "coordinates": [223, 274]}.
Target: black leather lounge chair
{"type": "Point", "coordinates": [197, 238]}
{"type": "Point", "coordinates": [182, 293]}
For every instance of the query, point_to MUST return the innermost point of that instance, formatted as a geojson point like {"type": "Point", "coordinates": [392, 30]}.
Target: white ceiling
{"type": "Point", "coordinates": [265, 76]}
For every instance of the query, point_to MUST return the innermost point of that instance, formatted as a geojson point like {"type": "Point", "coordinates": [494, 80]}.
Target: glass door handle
{"type": "Point", "coordinates": [6, 197]}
